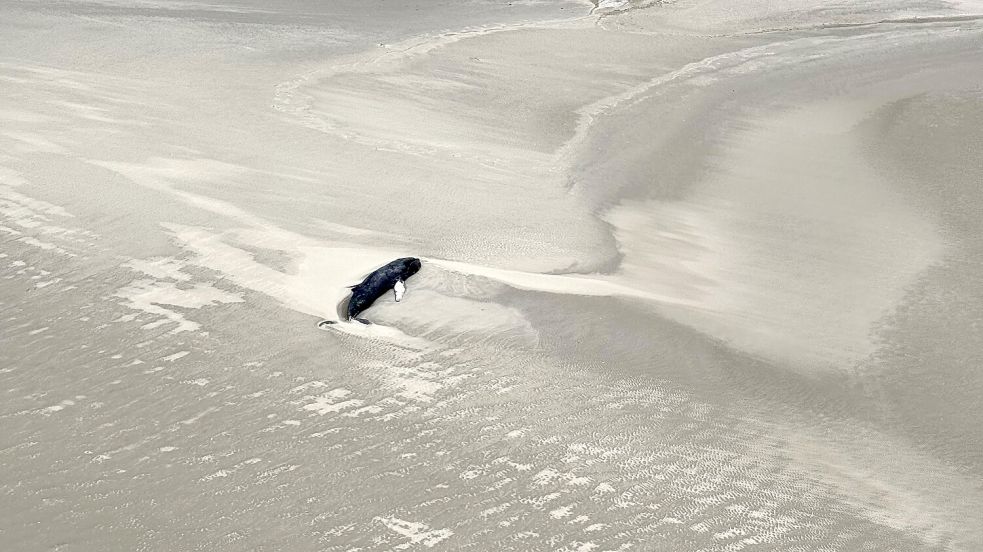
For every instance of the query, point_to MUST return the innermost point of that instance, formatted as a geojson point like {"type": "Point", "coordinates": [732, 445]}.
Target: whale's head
{"type": "Point", "coordinates": [410, 266]}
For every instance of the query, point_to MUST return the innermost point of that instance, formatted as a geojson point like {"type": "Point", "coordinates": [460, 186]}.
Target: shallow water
{"type": "Point", "coordinates": [680, 292]}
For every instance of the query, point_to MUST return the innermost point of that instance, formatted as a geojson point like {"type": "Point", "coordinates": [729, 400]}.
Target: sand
{"type": "Point", "coordinates": [697, 275]}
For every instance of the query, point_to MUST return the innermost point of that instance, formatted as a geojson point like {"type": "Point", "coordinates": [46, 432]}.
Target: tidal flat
{"type": "Point", "coordinates": [697, 276]}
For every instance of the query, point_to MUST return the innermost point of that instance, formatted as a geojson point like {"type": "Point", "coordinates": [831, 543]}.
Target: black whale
{"type": "Point", "coordinates": [378, 283]}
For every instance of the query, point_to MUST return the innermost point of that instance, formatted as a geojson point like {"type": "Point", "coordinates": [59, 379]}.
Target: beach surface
{"type": "Point", "coordinates": [697, 275]}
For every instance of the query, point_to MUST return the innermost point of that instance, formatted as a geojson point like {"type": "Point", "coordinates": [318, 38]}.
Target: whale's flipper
{"type": "Point", "coordinates": [361, 320]}
{"type": "Point", "coordinates": [399, 289]}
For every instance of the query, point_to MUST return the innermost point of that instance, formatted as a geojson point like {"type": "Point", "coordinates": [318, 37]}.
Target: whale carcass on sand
{"type": "Point", "coordinates": [389, 277]}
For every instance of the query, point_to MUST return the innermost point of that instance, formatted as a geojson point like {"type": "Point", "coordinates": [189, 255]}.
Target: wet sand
{"type": "Point", "coordinates": [697, 276]}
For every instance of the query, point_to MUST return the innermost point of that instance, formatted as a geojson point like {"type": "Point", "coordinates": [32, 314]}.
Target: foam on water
{"type": "Point", "coordinates": [150, 296]}
{"type": "Point", "coordinates": [417, 533]}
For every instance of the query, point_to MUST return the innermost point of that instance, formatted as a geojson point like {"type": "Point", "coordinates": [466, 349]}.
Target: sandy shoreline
{"type": "Point", "coordinates": [698, 276]}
